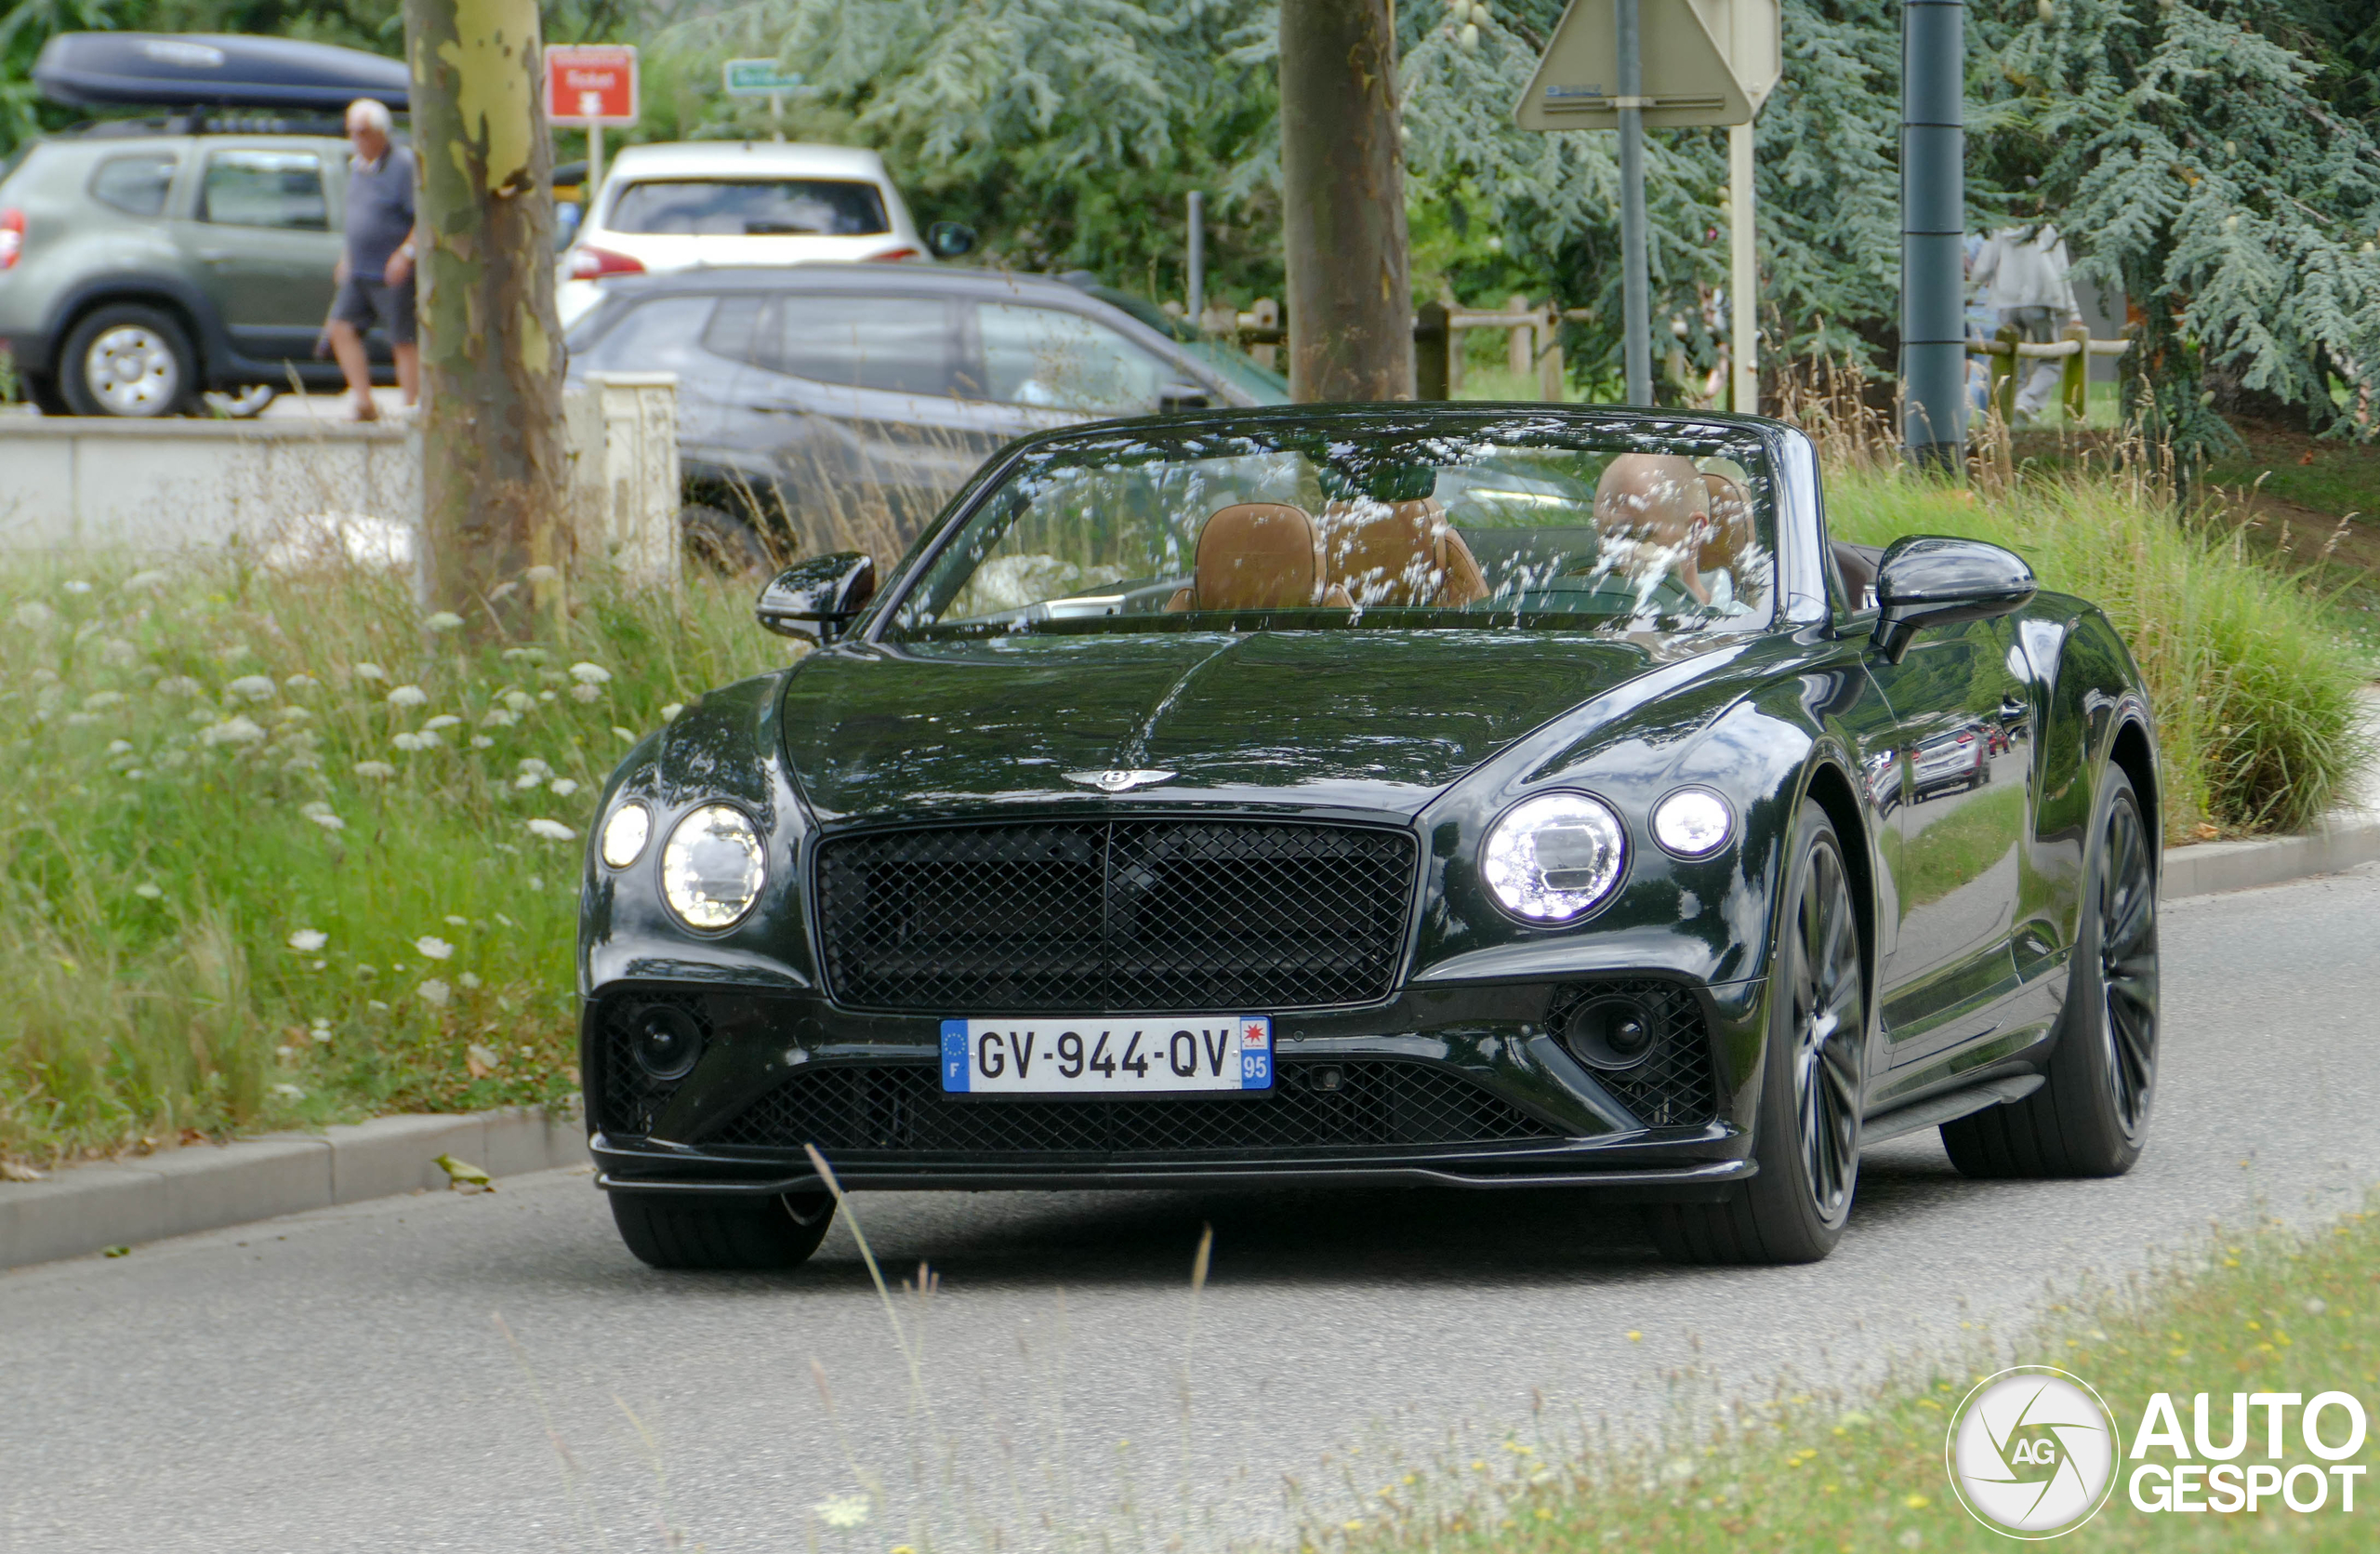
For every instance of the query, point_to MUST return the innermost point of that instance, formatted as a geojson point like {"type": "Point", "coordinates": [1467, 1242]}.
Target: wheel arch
{"type": "Point", "coordinates": [2133, 753]}
{"type": "Point", "coordinates": [186, 306]}
{"type": "Point", "coordinates": [1830, 787]}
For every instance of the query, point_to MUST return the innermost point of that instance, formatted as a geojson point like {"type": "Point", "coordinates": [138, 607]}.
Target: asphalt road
{"type": "Point", "coordinates": [337, 1381]}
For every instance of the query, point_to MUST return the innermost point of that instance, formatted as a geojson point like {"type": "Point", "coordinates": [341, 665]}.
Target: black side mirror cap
{"type": "Point", "coordinates": [817, 596]}
{"type": "Point", "coordinates": [1181, 396]}
{"type": "Point", "coordinates": [949, 239]}
{"type": "Point", "coordinates": [1932, 580]}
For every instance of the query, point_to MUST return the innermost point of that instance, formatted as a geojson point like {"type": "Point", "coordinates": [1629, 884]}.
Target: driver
{"type": "Point", "coordinates": [1653, 519]}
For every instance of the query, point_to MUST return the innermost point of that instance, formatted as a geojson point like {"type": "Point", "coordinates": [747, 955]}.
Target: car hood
{"type": "Point", "coordinates": [1376, 719]}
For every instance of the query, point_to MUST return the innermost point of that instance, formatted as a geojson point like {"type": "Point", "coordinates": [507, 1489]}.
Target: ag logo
{"type": "Point", "coordinates": [2033, 1453]}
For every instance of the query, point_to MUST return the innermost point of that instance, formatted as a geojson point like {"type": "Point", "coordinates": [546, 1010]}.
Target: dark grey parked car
{"type": "Point", "coordinates": [836, 406]}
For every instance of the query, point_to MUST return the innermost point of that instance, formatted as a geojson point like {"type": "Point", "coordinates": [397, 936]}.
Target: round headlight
{"type": "Point", "coordinates": [624, 834]}
{"type": "Point", "coordinates": [1693, 822]}
{"type": "Point", "coordinates": [712, 870]}
{"type": "Point", "coordinates": [1551, 859]}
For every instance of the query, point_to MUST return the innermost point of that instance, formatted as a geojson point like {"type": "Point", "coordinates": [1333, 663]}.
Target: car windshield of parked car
{"type": "Point", "coordinates": [1419, 522]}
{"type": "Point", "coordinates": [750, 207]}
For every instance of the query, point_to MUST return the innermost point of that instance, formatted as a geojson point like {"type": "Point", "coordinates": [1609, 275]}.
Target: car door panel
{"type": "Point", "coordinates": [261, 244]}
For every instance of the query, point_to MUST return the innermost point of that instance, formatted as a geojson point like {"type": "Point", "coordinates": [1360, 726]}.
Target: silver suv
{"type": "Point", "coordinates": [140, 269]}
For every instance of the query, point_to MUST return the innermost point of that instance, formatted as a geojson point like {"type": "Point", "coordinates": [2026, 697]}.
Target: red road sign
{"type": "Point", "coordinates": [592, 84]}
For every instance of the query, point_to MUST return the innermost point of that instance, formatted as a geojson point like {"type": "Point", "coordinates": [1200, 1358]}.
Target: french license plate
{"type": "Point", "coordinates": [1107, 1057]}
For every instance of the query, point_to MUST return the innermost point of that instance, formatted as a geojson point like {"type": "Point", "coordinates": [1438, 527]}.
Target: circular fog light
{"type": "Point", "coordinates": [666, 1041]}
{"type": "Point", "coordinates": [712, 870]}
{"type": "Point", "coordinates": [624, 834]}
{"type": "Point", "coordinates": [1611, 1033]}
{"type": "Point", "coordinates": [1693, 822]}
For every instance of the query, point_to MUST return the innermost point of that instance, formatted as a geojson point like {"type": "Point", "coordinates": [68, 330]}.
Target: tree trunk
{"type": "Point", "coordinates": [492, 472]}
{"type": "Point", "coordinates": [1343, 178]}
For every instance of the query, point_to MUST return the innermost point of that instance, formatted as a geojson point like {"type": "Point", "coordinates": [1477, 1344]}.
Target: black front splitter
{"type": "Point", "coordinates": [1667, 1184]}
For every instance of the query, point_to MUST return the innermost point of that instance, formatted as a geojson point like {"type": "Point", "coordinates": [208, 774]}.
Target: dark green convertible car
{"type": "Point", "coordinates": [1492, 796]}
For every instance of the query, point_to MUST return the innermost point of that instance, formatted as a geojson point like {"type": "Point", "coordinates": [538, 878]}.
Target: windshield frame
{"type": "Point", "coordinates": [1798, 594]}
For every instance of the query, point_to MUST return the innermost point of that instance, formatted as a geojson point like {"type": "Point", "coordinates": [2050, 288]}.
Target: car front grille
{"type": "Point", "coordinates": [1673, 1085]}
{"type": "Point", "coordinates": [1121, 915]}
{"type": "Point", "coordinates": [1352, 1103]}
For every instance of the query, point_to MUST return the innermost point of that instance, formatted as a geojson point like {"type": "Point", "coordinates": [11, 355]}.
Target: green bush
{"type": "Point", "coordinates": [282, 851]}
{"type": "Point", "coordinates": [2253, 681]}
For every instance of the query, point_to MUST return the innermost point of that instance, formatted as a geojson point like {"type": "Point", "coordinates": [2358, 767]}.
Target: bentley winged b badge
{"type": "Point", "coordinates": [1117, 780]}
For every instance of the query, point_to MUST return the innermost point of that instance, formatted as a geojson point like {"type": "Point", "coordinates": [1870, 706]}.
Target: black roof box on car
{"type": "Point", "coordinates": [212, 69]}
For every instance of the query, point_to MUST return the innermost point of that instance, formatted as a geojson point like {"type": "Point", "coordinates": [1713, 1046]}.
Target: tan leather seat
{"type": "Point", "coordinates": [1731, 531]}
{"type": "Point", "coordinates": [1399, 553]}
{"type": "Point", "coordinates": [1259, 556]}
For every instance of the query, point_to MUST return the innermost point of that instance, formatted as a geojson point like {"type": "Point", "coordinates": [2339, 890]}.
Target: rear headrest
{"type": "Point", "coordinates": [1731, 533]}
{"type": "Point", "coordinates": [1259, 556]}
{"type": "Point", "coordinates": [1398, 553]}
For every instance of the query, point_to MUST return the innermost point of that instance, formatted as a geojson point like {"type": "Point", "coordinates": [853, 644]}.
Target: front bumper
{"type": "Point", "coordinates": [1465, 1085]}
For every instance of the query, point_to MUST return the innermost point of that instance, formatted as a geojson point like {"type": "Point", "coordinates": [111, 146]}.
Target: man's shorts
{"type": "Point", "coordinates": [366, 302]}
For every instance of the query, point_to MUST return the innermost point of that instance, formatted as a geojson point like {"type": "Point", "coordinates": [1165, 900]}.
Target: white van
{"type": "Point", "coordinates": [702, 202]}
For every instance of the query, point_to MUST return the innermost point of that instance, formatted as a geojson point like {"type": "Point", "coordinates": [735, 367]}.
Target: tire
{"type": "Point", "coordinates": [721, 542]}
{"type": "Point", "coordinates": [1805, 1134]}
{"type": "Point", "coordinates": [669, 1231]}
{"type": "Point", "coordinates": [41, 392]}
{"type": "Point", "coordinates": [2090, 1118]}
{"type": "Point", "coordinates": [127, 361]}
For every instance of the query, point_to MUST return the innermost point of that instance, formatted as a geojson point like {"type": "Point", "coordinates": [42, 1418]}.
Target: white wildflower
{"type": "Point", "coordinates": [590, 674]}
{"type": "Point", "coordinates": [842, 1510]}
{"type": "Point", "coordinates": [369, 671]}
{"type": "Point", "coordinates": [536, 883]}
{"type": "Point", "coordinates": [289, 1091]}
{"type": "Point", "coordinates": [179, 684]}
{"type": "Point", "coordinates": [433, 948]}
{"type": "Point", "coordinates": [500, 717]}
{"type": "Point", "coordinates": [376, 1004]}
{"type": "Point", "coordinates": [468, 981]}
{"type": "Point", "coordinates": [408, 695]}
{"type": "Point", "coordinates": [552, 830]}
{"type": "Point", "coordinates": [528, 780]}
{"type": "Point", "coordinates": [241, 730]}
{"type": "Point", "coordinates": [321, 1029]}
{"type": "Point", "coordinates": [525, 655]}
{"type": "Point", "coordinates": [584, 693]}
{"type": "Point", "coordinates": [307, 940]}
{"type": "Point", "coordinates": [328, 821]}
{"type": "Point", "coordinates": [116, 653]}
{"type": "Point", "coordinates": [99, 701]}
{"type": "Point", "coordinates": [285, 1052]}
{"type": "Point", "coordinates": [444, 620]}
{"type": "Point", "coordinates": [135, 772]}
{"type": "Point", "coordinates": [434, 993]}
{"type": "Point", "coordinates": [530, 764]}
{"type": "Point", "coordinates": [375, 769]}
{"type": "Point", "coordinates": [147, 579]}
{"type": "Point", "coordinates": [564, 787]}
{"type": "Point", "coordinates": [119, 747]}
{"type": "Point", "coordinates": [548, 696]}
{"type": "Point", "coordinates": [454, 921]}
{"type": "Point", "coordinates": [486, 1058]}
{"type": "Point", "coordinates": [252, 687]}
{"type": "Point", "coordinates": [293, 714]}
{"type": "Point", "coordinates": [34, 616]}
{"type": "Point", "coordinates": [76, 585]}
{"type": "Point", "coordinates": [444, 720]}
{"type": "Point", "coordinates": [519, 702]}
{"type": "Point", "coordinates": [627, 734]}
{"type": "Point", "coordinates": [481, 741]}
{"type": "Point", "coordinates": [148, 891]}
{"type": "Point", "coordinates": [300, 684]}
{"type": "Point", "coordinates": [415, 742]}
{"type": "Point", "coordinates": [669, 713]}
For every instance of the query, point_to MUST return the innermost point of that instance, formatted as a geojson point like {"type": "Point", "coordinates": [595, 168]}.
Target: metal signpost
{"type": "Point", "coordinates": [1933, 229]}
{"type": "Point", "coordinates": [1630, 65]}
{"type": "Point", "coordinates": [763, 78]}
{"type": "Point", "coordinates": [591, 85]}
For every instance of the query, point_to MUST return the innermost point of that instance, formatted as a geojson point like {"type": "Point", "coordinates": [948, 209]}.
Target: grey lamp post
{"type": "Point", "coordinates": [1933, 227]}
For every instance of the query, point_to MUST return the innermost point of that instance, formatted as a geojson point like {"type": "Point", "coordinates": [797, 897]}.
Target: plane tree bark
{"type": "Point", "coordinates": [493, 479]}
{"type": "Point", "coordinates": [1342, 175]}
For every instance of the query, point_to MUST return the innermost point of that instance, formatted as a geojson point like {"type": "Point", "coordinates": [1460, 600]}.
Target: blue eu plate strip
{"type": "Point", "coordinates": [954, 1056]}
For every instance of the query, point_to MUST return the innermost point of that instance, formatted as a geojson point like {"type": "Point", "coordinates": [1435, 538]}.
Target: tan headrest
{"type": "Point", "coordinates": [1259, 556]}
{"type": "Point", "coordinates": [1730, 523]}
{"type": "Point", "coordinates": [1398, 553]}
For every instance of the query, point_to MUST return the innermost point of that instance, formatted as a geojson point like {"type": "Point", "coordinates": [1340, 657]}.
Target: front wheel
{"type": "Point", "coordinates": [1806, 1135]}
{"type": "Point", "coordinates": [2090, 1118]}
{"type": "Point", "coordinates": [128, 360]}
{"type": "Point", "coordinates": [669, 1232]}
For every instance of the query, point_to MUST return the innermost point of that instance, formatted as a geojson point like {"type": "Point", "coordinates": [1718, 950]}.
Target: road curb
{"type": "Point", "coordinates": [90, 1208]}
{"type": "Point", "coordinates": [2209, 868]}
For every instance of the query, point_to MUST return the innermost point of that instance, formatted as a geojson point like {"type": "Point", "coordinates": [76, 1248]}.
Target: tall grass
{"type": "Point", "coordinates": [2253, 678]}
{"type": "Point", "coordinates": [281, 850]}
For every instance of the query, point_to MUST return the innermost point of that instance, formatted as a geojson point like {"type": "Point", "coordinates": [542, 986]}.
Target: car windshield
{"type": "Point", "coordinates": [1420, 521]}
{"type": "Point", "coordinates": [750, 207]}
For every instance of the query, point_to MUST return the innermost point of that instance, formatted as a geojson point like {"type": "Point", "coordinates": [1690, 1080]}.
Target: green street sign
{"type": "Point", "coordinates": [760, 78]}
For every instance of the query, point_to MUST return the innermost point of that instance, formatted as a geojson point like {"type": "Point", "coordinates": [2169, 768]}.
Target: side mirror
{"type": "Point", "coordinates": [950, 239]}
{"type": "Point", "coordinates": [1929, 580]}
{"type": "Point", "coordinates": [1181, 396]}
{"type": "Point", "coordinates": [817, 596]}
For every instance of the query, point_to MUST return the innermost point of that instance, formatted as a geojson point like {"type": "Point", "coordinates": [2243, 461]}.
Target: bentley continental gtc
{"type": "Point", "coordinates": [1484, 796]}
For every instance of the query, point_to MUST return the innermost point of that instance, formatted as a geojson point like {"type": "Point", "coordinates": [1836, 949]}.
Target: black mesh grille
{"type": "Point", "coordinates": [1113, 915]}
{"type": "Point", "coordinates": [631, 1097]}
{"type": "Point", "coordinates": [1673, 1087]}
{"type": "Point", "coordinates": [1349, 1104]}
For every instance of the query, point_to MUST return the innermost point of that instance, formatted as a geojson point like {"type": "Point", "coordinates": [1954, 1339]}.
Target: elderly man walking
{"type": "Point", "coordinates": [375, 268]}
{"type": "Point", "coordinates": [2025, 271]}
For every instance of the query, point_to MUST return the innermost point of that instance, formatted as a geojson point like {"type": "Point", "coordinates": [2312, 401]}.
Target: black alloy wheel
{"type": "Point", "coordinates": [668, 1231]}
{"type": "Point", "coordinates": [1806, 1139]}
{"type": "Point", "coordinates": [2090, 1118]}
